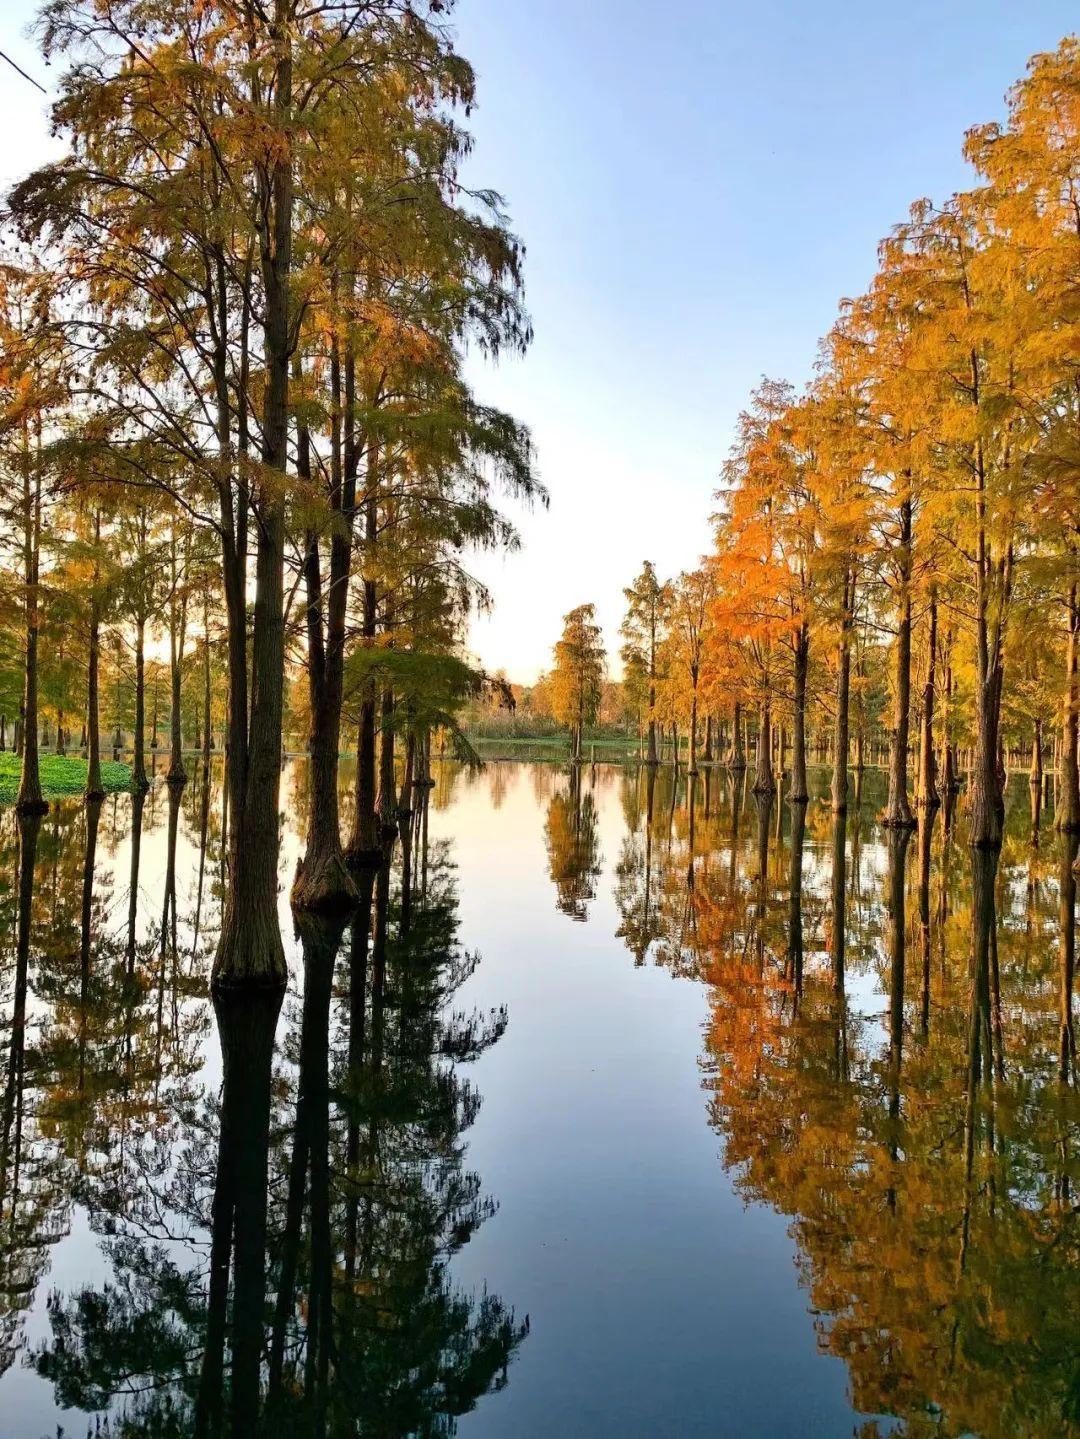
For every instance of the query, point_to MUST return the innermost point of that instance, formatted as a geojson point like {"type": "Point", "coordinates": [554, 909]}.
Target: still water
{"type": "Point", "coordinates": [634, 1108]}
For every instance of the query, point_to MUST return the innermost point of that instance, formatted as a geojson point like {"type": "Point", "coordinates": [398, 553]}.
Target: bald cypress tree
{"type": "Point", "coordinates": [578, 677]}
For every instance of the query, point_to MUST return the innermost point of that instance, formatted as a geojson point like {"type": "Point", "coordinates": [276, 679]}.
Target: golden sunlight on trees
{"type": "Point", "coordinates": [577, 679]}
{"type": "Point", "coordinates": [236, 435]}
{"type": "Point", "coordinates": [896, 548]}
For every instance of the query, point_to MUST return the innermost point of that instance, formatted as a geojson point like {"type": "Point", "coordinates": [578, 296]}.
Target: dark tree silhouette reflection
{"type": "Point", "coordinates": [279, 1251]}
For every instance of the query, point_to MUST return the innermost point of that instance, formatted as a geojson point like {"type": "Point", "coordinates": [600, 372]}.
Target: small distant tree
{"type": "Point", "coordinates": [578, 677]}
{"type": "Point", "coordinates": [634, 695]}
{"type": "Point", "coordinates": [647, 605]}
{"type": "Point", "coordinates": [693, 596]}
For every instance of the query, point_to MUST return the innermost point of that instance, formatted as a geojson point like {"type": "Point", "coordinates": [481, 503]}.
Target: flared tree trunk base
{"type": "Point", "coordinates": [987, 825]}
{"type": "Point", "coordinates": [250, 954]}
{"type": "Point", "coordinates": [323, 885]}
{"type": "Point", "coordinates": [899, 821]}
{"type": "Point", "coordinates": [35, 805]}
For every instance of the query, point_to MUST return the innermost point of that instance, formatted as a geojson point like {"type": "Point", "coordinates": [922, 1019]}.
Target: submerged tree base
{"type": "Point", "coordinates": [323, 886]}
{"type": "Point", "coordinates": [250, 953]}
{"type": "Point", "coordinates": [32, 806]}
{"type": "Point", "coordinates": [364, 858]}
{"type": "Point", "coordinates": [901, 821]}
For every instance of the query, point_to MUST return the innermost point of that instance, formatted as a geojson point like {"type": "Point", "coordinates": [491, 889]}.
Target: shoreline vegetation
{"type": "Point", "coordinates": [62, 776]}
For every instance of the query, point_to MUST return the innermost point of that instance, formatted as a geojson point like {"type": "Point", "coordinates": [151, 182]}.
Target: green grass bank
{"type": "Point", "coordinates": [61, 775]}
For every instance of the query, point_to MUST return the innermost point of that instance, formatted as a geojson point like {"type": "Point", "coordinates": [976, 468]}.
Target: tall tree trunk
{"type": "Point", "coordinates": [779, 752]}
{"type": "Point", "coordinates": [738, 749]}
{"type": "Point", "coordinates": [363, 846]}
{"type": "Point", "coordinates": [138, 760]}
{"type": "Point", "coordinates": [1068, 797]}
{"type": "Point", "coordinates": [250, 951]}
{"type": "Point", "coordinates": [30, 800]}
{"type": "Point", "coordinates": [987, 802]}
{"type": "Point", "coordinates": [928, 790]}
{"type": "Point", "coordinates": [693, 727]}
{"type": "Point", "coordinates": [61, 747]}
{"type": "Point", "coordinates": [949, 777]}
{"type": "Point", "coordinates": [926, 835]}
{"type": "Point", "coordinates": [1035, 780]}
{"type": "Point", "coordinates": [764, 784]}
{"type": "Point", "coordinates": [386, 804]}
{"type": "Point", "coordinates": [207, 734]}
{"type": "Point", "coordinates": [985, 796]}
{"type": "Point", "coordinates": [323, 880]}
{"type": "Point", "coordinates": [94, 787]}
{"type": "Point", "coordinates": [898, 810]}
{"type": "Point", "coordinates": [843, 700]}
{"type": "Point", "coordinates": [799, 790]}
{"type": "Point", "coordinates": [651, 756]}
{"type": "Point", "coordinates": [177, 637]}
{"type": "Point", "coordinates": [838, 943]}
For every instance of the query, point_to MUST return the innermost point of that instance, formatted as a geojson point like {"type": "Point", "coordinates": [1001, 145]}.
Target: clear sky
{"type": "Point", "coordinates": [697, 184]}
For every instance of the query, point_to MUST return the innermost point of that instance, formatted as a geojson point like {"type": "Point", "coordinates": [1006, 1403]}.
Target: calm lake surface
{"type": "Point", "coordinates": [636, 1111]}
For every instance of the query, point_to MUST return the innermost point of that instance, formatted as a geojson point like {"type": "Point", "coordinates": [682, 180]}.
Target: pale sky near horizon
{"type": "Point", "coordinates": [697, 185]}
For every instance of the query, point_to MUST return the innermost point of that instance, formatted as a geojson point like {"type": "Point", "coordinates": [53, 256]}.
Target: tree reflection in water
{"type": "Point", "coordinates": [277, 1249]}
{"type": "Point", "coordinates": [573, 845]}
{"type": "Point", "coordinates": [889, 1060]}
{"type": "Point", "coordinates": [898, 1077]}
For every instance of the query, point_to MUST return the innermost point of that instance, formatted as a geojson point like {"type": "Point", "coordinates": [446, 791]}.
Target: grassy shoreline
{"type": "Point", "coordinates": [61, 776]}
{"type": "Point", "coordinates": [553, 747]}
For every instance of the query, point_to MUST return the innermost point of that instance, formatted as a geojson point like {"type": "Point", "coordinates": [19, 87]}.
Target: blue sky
{"type": "Point", "coordinates": [697, 185]}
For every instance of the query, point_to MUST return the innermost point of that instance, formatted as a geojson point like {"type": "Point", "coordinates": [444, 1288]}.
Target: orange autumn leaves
{"type": "Point", "coordinates": [933, 458]}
